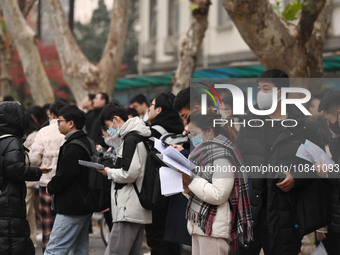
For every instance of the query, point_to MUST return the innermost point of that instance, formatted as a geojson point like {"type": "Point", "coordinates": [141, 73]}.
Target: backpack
{"type": "Point", "coordinates": [150, 195]}
{"type": "Point", "coordinates": [1, 164]}
{"type": "Point", "coordinates": [170, 138]}
{"type": "Point", "coordinates": [98, 195]}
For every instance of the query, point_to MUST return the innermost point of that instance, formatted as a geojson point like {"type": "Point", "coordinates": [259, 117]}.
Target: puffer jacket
{"type": "Point", "coordinates": [45, 150]}
{"type": "Point", "coordinates": [266, 198]}
{"type": "Point", "coordinates": [215, 193]}
{"type": "Point", "coordinates": [129, 168]}
{"type": "Point", "coordinates": [14, 228]}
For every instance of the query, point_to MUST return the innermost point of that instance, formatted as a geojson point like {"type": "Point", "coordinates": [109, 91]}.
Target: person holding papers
{"type": "Point", "coordinates": [330, 105]}
{"type": "Point", "coordinates": [129, 217]}
{"type": "Point", "coordinates": [211, 222]}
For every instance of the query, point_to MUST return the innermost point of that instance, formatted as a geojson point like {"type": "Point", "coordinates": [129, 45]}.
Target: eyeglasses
{"type": "Point", "coordinates": [59, 120]}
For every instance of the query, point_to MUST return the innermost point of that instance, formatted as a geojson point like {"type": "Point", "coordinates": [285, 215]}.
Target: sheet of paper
{"type": "Point", "coordinates": [175, 155]}
{"type": "Point", "coordinates": [90, 164]}
{"type": "Point", "coordinates": [173, 164]}
{"type": "Point", "coordinates": [171, 181]}
{"type": "Point", "coordinates": [317, 153]}
{"type": "Point", "coordinates": [158, 144]}
{"type": "Point", "coordinates": [304, 154]}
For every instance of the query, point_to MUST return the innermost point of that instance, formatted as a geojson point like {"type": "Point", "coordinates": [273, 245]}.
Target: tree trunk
{"type": "Point", "coordinates": [294, 49]}
{"type": "Point", "coordinates": [5, 60]}
{"type": "Point", "coordinates": [191, 45]}
{"type": "Point", "coordinates": [25, 42]}
{"type": "Point", "coordinates": [81, 75]}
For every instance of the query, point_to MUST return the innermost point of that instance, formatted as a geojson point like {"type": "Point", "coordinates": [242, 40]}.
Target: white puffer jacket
{"type": "Point", "coordinates": [125, 202]}
{"type": "Point", "coordinates": [215, 193]}
{"type": "Point", "coordinates": [45, 150]}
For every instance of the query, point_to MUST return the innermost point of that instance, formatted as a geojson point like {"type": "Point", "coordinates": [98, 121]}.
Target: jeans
{"type": "Point", "coordinates": [69, 232]}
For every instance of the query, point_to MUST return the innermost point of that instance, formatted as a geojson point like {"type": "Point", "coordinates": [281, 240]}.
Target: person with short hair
{"type": "Point", "coordinates": [141, 105]}
{"type": "Point", "coordinates": [44, 152]}
{"type": "Point", "coordinates": [128, 215]}
{"type": "Point", "coordinates": [330, 106]}
{"type": "Point", "coordinates": [69, 186]}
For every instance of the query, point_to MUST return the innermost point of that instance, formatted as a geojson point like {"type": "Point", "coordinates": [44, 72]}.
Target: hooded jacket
{"type": "Point", "coordinates": [14, 228]}
{"type": "Point", "coordinates": [170, 121]}
{"type": "Point", "coordinates": [129, 168]}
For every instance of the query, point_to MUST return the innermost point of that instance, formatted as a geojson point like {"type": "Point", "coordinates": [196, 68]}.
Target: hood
{"type": "Point", "coordinates": [171, 121]}
{"type": "Point", "coordinates": [134, 125]}
{"type": "Point", "coordinates": [12, 118]}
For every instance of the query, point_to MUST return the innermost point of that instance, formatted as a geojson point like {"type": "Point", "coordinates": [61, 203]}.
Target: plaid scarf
{"type": "Point", "coordinates": [204, 213]}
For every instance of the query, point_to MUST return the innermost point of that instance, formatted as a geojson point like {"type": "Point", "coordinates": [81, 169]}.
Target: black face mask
{"type": "Point", "coordinates": [334, 127]}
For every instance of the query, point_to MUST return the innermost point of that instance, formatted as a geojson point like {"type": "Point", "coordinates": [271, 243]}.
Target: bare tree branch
{"type": "Point", "coordinates": [28, 8]}
{"type": "Point", "coordinates": [25, 42]}
{"type": "Point", "coordinates": [309, 14]}
{"type": "Point", "coordinates": [191, 45]}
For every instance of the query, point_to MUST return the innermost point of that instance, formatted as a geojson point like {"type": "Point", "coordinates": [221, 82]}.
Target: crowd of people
{"type": "Point", "coordinates": [219, 212]}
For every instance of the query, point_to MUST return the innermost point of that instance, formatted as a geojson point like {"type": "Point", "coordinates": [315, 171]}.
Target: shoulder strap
{"type": "Point", "coordinates": [160, 129]}
{"type": "Point", "coordinates": [4, 136]}
{"type": "Point", "coordinates": [81, 144]}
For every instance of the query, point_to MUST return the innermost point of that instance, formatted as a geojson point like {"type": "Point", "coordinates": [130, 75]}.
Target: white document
{"type": "Point", "coordinates": [174, 164]}
{"type": "Point", "coordinates": [171, 181]}
{"type": "Point", "coordinates": [158, 144]}
{"type": "Point", "coordinates": [313, 153]}
{"type": "Point", "coordinates": [90, 164]}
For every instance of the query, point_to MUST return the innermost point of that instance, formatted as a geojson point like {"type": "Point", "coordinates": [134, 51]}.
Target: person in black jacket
{"type": "Point", "coordinates": [273, 196]}
{"type": "Point", "coordinates": [69, 187]}
{"type": "Point", "coordinates": [14, 228]}
{"type": "Point", "coordinates": [330, 105]}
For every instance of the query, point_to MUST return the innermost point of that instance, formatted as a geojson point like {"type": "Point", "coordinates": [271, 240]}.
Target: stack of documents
{"type": "Point", "coordinates": [171, 180]}
{"type": "Point", "coordinates": [313, 153]}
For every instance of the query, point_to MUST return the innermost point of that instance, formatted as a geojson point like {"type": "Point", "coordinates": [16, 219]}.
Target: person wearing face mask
{"type": "Point", "coordinates": [273, 194]}
{"type": "Point", "coordinates": [330, 105]}
{"type": "Point", "coordinates": [129, 217]}
{"type": "Point", "coordinates": [213, 222]}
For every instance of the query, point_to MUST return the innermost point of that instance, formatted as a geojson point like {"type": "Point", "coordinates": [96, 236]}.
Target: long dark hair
{"type": "Point", "coordinates": [205, 122]}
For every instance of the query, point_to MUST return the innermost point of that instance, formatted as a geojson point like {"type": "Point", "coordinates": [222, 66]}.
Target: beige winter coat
{"type": "Point", "coordinates": [45, 150]}
{"type": "Point", "coordinates": [215, 193]}
{"type": "Point", "coordinates": [125, 203]}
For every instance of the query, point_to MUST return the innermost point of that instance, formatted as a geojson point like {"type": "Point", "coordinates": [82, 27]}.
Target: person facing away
{"type": "Point", "coordinates": [273, 195]}
{"type": "Point", "coordinates": [44, 152]}
{"type": "Point", "coordinates": [141, 105]}
{"type": "Point", "coordinates": [163, 119]}
{"type": "Point", "coordinates": [211, 222]}
{"type": "Point", "coordinates": [129, 217]}
{"type": "Point", "coordinates": [330, 106]}
{"type": "Point", "coordinates": [69, 186]}
{"type": "Point", "coordinates": [14, 230]}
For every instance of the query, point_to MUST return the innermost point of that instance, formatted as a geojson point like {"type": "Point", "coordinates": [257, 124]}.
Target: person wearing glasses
{"type": "Point", "coordinates": [69, 186]}
{"type": "Point", "coordinates": [44, 153]}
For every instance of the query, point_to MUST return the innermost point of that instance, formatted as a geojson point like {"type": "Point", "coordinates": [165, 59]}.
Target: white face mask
{"type": "Point", "coordinates": [265, 100]}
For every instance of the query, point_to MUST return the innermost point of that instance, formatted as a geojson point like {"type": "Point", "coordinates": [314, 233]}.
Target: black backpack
{"type": "Point", "coordinates": [150, 195]}
{"type": "Point", "coordinates": [98, 195]}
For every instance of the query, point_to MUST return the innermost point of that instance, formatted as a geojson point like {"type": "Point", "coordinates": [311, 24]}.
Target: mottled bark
{"type": "Point", "coordinates": [191, 45]}
{"type": "Point", "coordinates": [80, 74]}
{"type": "Point", "coordinates": [26, 45]}
{"type": "Point", "coordinates": [295, 49]}
{"type": "Point", "coordinates": [5, 60]}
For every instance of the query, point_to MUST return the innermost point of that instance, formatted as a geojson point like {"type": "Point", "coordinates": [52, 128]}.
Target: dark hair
{"type": "Point", "coordinates": [205, 122]}
{"type": "Point", "coordinates": [330, 99]}
{"type": "Point", "coordinates": [278, 77]}
{"type": "Point", "coordinates": [56, 106]}
{"type": "Point", "coordinates": [182, 100]}
{"type": "Point", "coordinates": [40, 114]}
{"type": "Point", "coordinates": [165, 100]}
{"type": "Point", "coordinates": [8, 98]}
{"type": "Point", "coordinates": [72, 112]}
{"type": "Point", "coordinates": [91, 96]}
{"type": "Point", "coordinates": [131, 111]}
{"type": "Point", "coordinates": [111, 110]}
{"type": "Point", "coordinates": [228, 100]}
{"type": "Point", "coordinates": [140, 98]}
{"type": "Point", "coordinates": [104, 96]}
{"type": "Point", "coordinates": [46, 107]}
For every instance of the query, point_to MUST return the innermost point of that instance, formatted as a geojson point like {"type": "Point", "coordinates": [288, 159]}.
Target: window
{"type": "Point", "coordinates": [223, 19]}
{"type": "Point", "coordinates": [152, 19]}
{"type": "Point", "coordinates": [173, 17]}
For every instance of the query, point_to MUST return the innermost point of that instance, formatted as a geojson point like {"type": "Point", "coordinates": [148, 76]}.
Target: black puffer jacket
{"type": "Point", "coordinates": [276, 204]}
{"type": "Point", "coordinates": [14, 229]}
{"type": "Point", "coordinates": [334, 147]}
